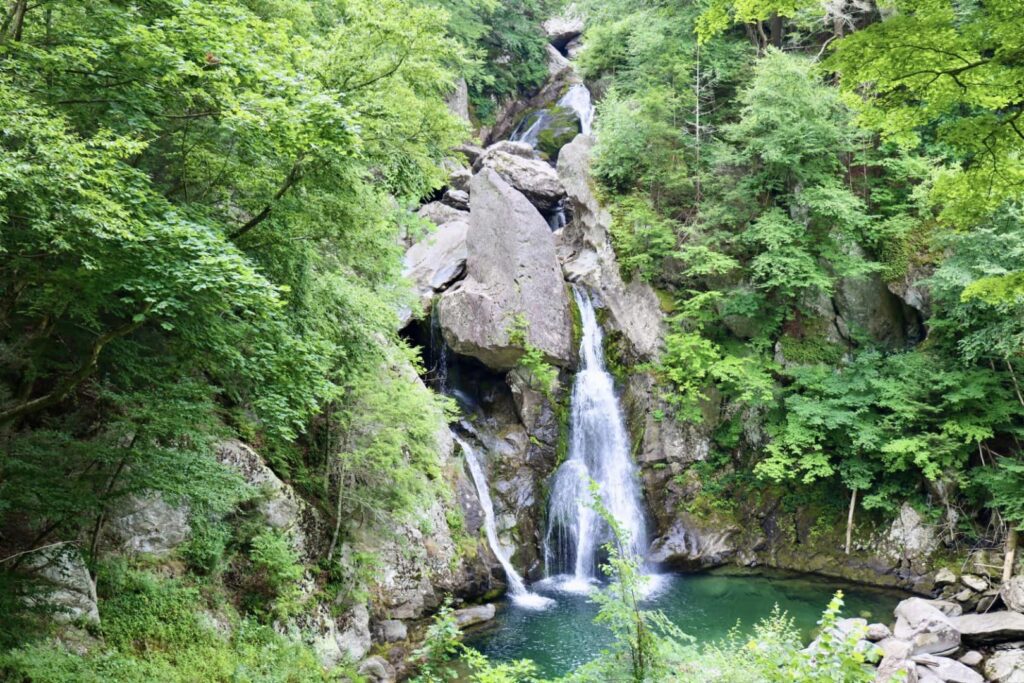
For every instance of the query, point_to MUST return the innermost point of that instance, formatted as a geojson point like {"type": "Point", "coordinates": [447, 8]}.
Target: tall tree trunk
{"type": "Point", "coordinates": [775, 25]}
{"type": "Point", "coordinates": [1011, 554]}
{"type": "Point", "coordinates": [849, 521]}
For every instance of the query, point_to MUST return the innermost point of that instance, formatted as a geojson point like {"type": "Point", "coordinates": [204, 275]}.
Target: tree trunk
{"type": "Point", "coordinates": [849, 521]}
{"type": "Point", "coordinates": [1011, 554]}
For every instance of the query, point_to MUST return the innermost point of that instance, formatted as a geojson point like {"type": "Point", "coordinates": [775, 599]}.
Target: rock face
{"type": "Point", "coordinates": [71, 593]}
{"type": "Point", "coordinates": [512, 275]}
{"type": "Point", "coordinates": [436, 261]}
{"type": "Point", "coordinates": [911, 541]}
{"type": "Point", "coordinates": [587, 255]}
{"type": "Point", "coordinates": [561, 30]}
{"type": "Point", "coordinates": [526, 173]}
{"type": "Point", "coordinates": [439, 213]}
{"type": "Point", "coordinates": [685, 546]}
{"type": "Point", "coordinates": [458, 100]}
{"type": "Point", "coordinates": [147, 524]}
{"type": "Point", "coordinates": [1012, 593]}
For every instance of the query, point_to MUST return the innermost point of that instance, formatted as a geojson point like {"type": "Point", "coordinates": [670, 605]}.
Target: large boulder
{"type": "Point", "coordinates": [147, 524]}
{"type": "Point", "coordinates": [512, 280]}
{"type": "Point", "coordinates": [1005, 666]}
{"type": "Point", "coordinates": [945, 669]}
{"type": "Point", "coordinates": [436, 261]}
{"type": "Point", "coordinates": [927, 629]}
{"type": "Point", "coordinates": [587, 255]}
{"type": "Point", "coordinates": [563, 29]}
{"type": "Point", "coordinates": [685, 545]}
{"type": "Point", "coordinates": [911, 540]}
{"type": "Point", "coordinates": [528, 174]}
{"type": "Point", "coordinates": [474, 615]}
{"type": "Point", "coordinates": [1012, 593]}
{"type": "Point", "coordinates": [994, 627]}
{"type": "Point", "coordinates": [68, 587]}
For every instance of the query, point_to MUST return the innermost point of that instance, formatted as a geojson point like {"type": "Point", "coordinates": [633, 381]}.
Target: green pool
{"type": "Point", "coordinates": [706, 606]}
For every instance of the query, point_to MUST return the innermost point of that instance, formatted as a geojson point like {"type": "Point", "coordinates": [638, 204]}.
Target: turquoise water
{"type": "Point", "coordinates": [705, 606]}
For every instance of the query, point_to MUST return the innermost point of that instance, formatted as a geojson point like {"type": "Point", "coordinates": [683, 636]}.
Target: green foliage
{"type": "Point", "coordinates": [278, 569]}
{"type": "Point", "coordinates": [643, 239]}
{"type": "Point", "coordinates": [533, 365]}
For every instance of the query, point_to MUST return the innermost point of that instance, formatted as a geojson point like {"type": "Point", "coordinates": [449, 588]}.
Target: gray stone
{"type": "Point", "coordinates": [472, 153]}
{"type": "Point", "coordinates": [975, 583]}
{"type": "Point", "coordinates": [911, 541]}
{"type": "Point", "coordinates": [439, 214]}
{"type": "Point", "coordinates": [392, 630]}
{"type": "Point", "coordinates": [69, 588]}
{"type": "Point", "coordinates": [533, 177]}
{"type": "Point", "coordinates": [560, 30]}
{"type": "Point", "coordinates": [436, 261]}
{"type": "Point", "coordinates": [457, 199]}
{"type": "Point", "coordinates": [970, 658]}
{"type": "Point", "coordinates": [895, 664]}
{"type": "Point", "coordinates": [557, 63]}
{"type": "Point", "coordinates": [459, 179]}
{"type": "Point", "coordinates": [458, 100]}
{"type": "Point", "coordinates": [950, 609]}
{"type": "Point", "coordinates": [877, 632]}
{"type": "Point", "coordinates": [376, 669]}
{"type": "Point", "coordinates": [1012, 593]}
{"type": "Point", "coordinates": [945, 577]}
{"type": "Point", "coordinates": [948, 670]}
{"type": "Point", "coordinates": [965, 595]}
{"type": "Point", "coordinates": [573, 48]}
{"type": "Point", "coordinates": [685, 545]}
{"type": "Point", "coordinates": [477, 614]}
{"type": "Point", "coordinates": [147, 524]}
{"type": "Point", "coordinates": [994, 627]}
{"type": "Point", "coordinates": [928, 630]}
{"type": "Point", "coordinates": [1006, 666]}
{"type": "Point", "coordinates": [353, 635]}
{"type": "Point", "coordinates": [512, 275]}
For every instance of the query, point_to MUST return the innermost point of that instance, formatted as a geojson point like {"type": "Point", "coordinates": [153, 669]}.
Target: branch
{"type": "Point", "coordinates": [294, 175]}
{"type": "Point", "coordinates": [61, 391]}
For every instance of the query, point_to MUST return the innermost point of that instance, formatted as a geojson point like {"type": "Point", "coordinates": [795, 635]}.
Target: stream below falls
{"type": "Point", "coordinates": [706, 606]}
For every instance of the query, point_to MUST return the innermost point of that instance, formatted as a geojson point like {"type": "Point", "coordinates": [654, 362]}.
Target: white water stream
{"type": "Point", "coordinates": [598, 451]}
{"type": "Point", "coordinates": [516, 588]}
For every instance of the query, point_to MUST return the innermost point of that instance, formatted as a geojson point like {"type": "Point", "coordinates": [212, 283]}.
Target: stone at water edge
{"type": "Point", "coordinates": [392, 630]}
{"type": "Point", "coordinates": [947, 670]}
{"type": "Point", "coordinates": [1006, 666]}
{"type": "Point", "coordinates": [1012, 593]}
{"type": "Point", "coordinates": [970, 658]}
{"type": "Point", "coordinates": [477, 614]}
{"type": "Point", "coordinates": [975, 583]}
{"type": "Point", "coordinates": [994, 627]}
{"type": "Point", "coordinates": [928, 630]}
{"type": "Point", "coordinates": [877, 632]}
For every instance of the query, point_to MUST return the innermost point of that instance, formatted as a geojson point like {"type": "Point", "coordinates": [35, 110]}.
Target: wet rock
{"type": "Point", "coordinates": [533, 177]}
{"type": "Point", "coordinates": [928, 630]}
{"type": "Point", "coordinates": [439, 213]}
{"type": "Point", "coordinates": [994, 627]}
{"type": "Point", "coordinates": [474, 615]}
{"type": "Point", "coordinates": [533, 407]}
{"type": "Point", "coordinates": [1012, 593]}
{"type": "Point", "coordinates": [946, 670]}
{"type": "Point", "coordinates": [687, 547]}
{"type": "Point", "coordinates": [376, 669]}
{"type": "Point", "coordinates": [512, 278]}
{"type": "Point", "coordinates": [437, 261]}
{"type": "Point", "coordinates": [1006, 666]}
{"type": "Point", "coordinates": [147, 524]}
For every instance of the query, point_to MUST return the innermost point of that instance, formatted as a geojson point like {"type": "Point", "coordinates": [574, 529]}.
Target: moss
{"type": "Point", "coordinates": [812, 346]}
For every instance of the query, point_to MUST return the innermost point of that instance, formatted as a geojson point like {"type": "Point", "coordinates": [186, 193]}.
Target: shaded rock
{"type": "Point", "coordinates": [573, 47]}
{"type": "Point", "coordinates": [975, 583]}
{"type": "Point", "coordinates": [436, 261]}
{"type": "Point", "coordinates": [950, 609]}
{"type": "Point", "coordinates": [147, 524]}
{"type": "Point", "coordinates": [947, 670]}
{"type": "Point", "coordinates": [392, 630]}
{"type": "Point", "coordinates": [556, 61]}
{"type": "Point", "coordinates": [459, 179]}
{"type": "Point", "coordinates": [685, 546]}
{"type": "Point", "coordinates": [1006, 666]}
{"type": "Point", "coordinates": [471, 152]}
{"type": "Point", "coordinates": [537, 181]}
{"type": "Point", "coordinates": [457, 199]}
{"type": "Point", "coordinates": [439, 214]}
{"type": "Point", "coordinates": [1012, 593]}
{"type": "Point", "coordinates": [474, 615]}
{"type": "Point", "coordinates": [561, 30]}
{"type": "Point", "coordinates": [877, 632]}
{"type": "Point", "coordinates": [69, 589]}
{"type": "Point", "coordinates": [533, 407]}
{"type": "Point", "coordinates": [928, 630]}
{"type": "Point", "coordinates": [994, 627]}
{"type": "Point", "coordinates": [911, 541]}
{"type": "Point", "coordinates": [512, 276]}
{"type": "Point", "coordinates": [376, 669]}
{"type": "Point", "coordinates": [945, 577]}
{"type": "Point", "coordinates": [988, 600]}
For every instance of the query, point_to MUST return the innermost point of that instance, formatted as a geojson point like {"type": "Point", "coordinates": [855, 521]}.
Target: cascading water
{"type": "Point", "coordinates": [598, 451]}
{"type": "Point", "coordinates": [578, 99]}
{"type": "Point", "coordinates": [516, 588]}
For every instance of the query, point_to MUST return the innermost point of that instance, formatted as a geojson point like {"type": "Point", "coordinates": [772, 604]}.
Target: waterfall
{"type": "Point", "coordinates": [599, 451]}
{"type": "Point", "coordinates": [516, 588]}
{"type": "Point", "coordinates": [578, 99]}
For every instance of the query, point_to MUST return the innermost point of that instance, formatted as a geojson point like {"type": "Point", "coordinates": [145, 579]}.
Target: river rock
{"type": "Point", "coordinates": [928, 630]}
{"type": "Point", "coordinates": [945, 577]}
{"type": "Point", "coordinates": [436, 261]}
{"type": "Point", "coordinates": [877, 632]}
{"type": "Point", "coordinates": [533, 177]}
{"type": "Point", "coordinates": [512, 277]}
{"type": "Point", "coordinates": [975, 583]}
{"type": "Point", "coordinates": [685, 546]}
{"type": "Point", "coordinates": [1012, 593]}
{"type": "Point", "coordinates": [895, 664]}
{"type": "Point", "coordinates": [970, 658]}
{"type": "Point", "coordinates": [474, 615]}
{"type": "Point", "coordinates": [457, 199]}
{"type": "Point", "coordinates": [147, 524]}
{"type": "Point", "coordinates": [439, 213]}
{"type": "Point", "coordinates": [1006, 666]}
{"type": "Point", "coordinates": [376, 669]}
{"type": "Point", "coordinates": [994, 627]}
{"type": "Point", "coordinates": [946, 670]}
